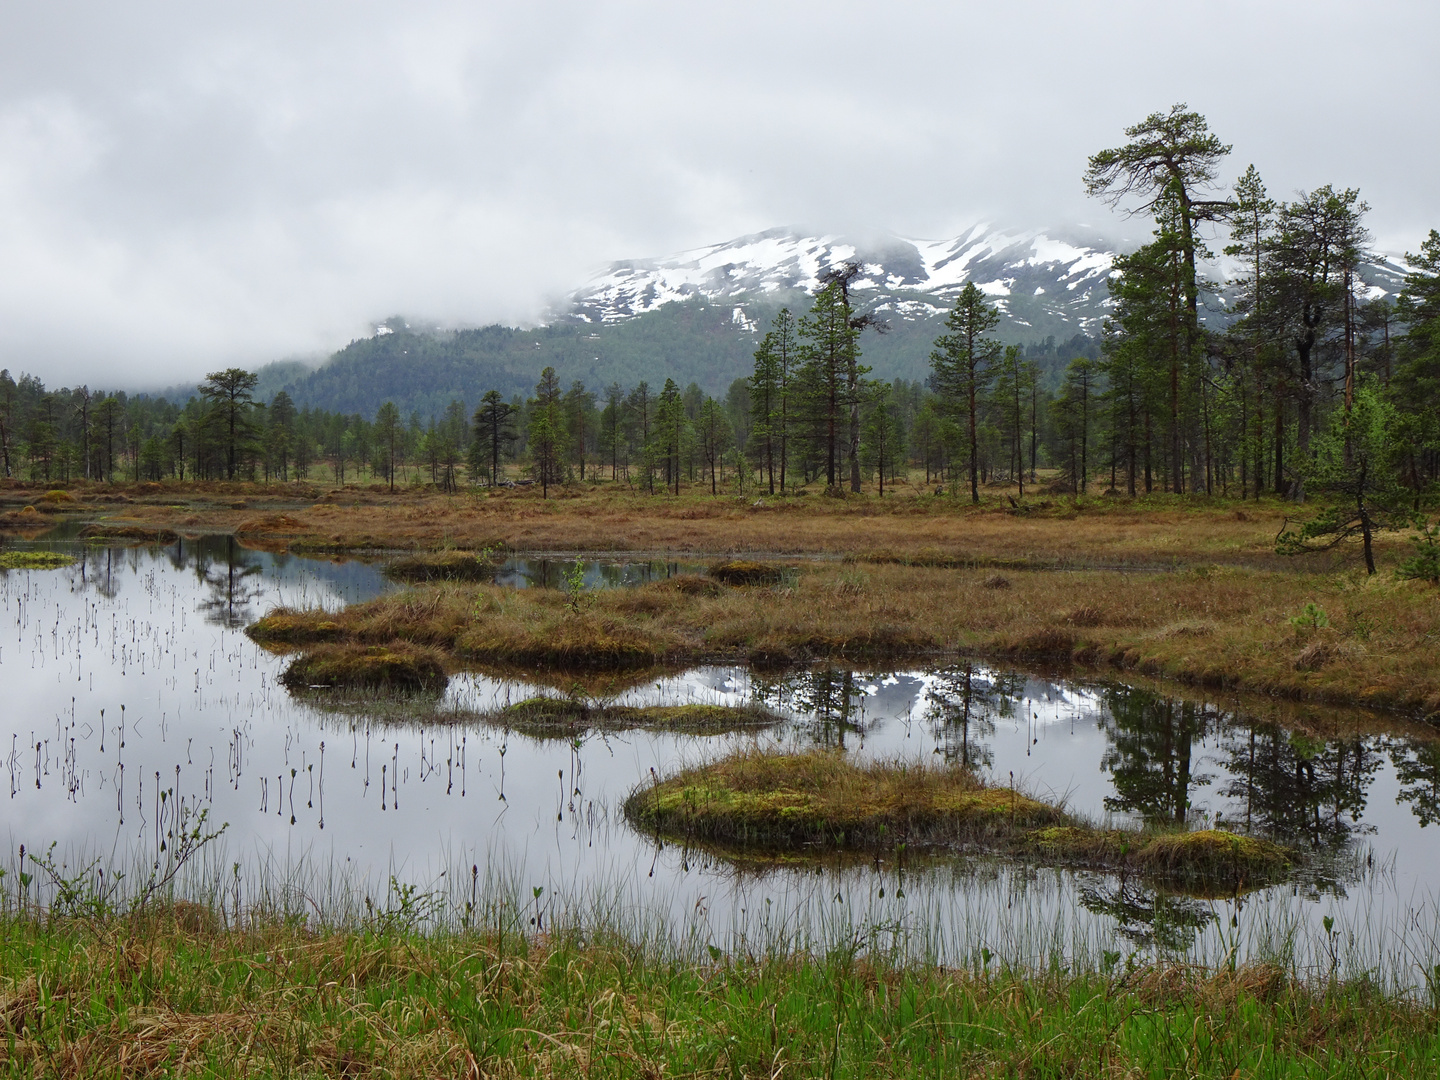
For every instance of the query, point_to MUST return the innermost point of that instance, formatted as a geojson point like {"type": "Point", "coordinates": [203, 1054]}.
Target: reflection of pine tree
{"type": "Point", "coordinates": [963, 704]}
{"type": "Point", "coordinates": [1147, 917]}
{"type": "Point", "coordinates": [1417, 766]}
{"type": "Point", "coordinates": [1298, 788]}
{"type": "Point", "coordinates": [832, 702]}
{"type": "Point", "coordinates": [1150, 753]}
{"type": "Point", "coordinates": [231, 591]}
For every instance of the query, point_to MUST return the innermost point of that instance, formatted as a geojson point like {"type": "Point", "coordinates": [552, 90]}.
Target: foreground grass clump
{"type": "Point", "coordinates": [187, 997]}
{"type": "Point", "coordinates": [564, 718]}
{"type": "Point", "coordinates": [34, 560]}
{"type": "Point", "coordinates": [820, 803]}
{"type": "Point", "coordinates": [442, 566]}
{"type": "Point", "coordinates": [398, 665]}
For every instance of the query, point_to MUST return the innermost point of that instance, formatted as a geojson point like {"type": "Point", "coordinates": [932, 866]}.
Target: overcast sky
{"type": "Point", "coordinates": [188, 186]}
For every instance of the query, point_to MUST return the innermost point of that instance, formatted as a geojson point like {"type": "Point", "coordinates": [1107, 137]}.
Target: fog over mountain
{"type": "Point", "coordinates": [186, 187]}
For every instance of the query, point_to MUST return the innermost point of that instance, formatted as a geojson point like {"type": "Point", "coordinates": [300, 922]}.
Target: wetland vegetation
{"type": "Point", "coordinates": [1117, 549]}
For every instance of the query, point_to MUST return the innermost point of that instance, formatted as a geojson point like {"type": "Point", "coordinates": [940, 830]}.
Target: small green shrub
{"type": "Point", "coordinates": [1424, 565]}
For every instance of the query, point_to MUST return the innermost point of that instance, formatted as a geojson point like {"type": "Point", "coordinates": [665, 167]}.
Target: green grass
{"type": "Point", "coordinates": [176, 995]}
{"type": "Point", "coordinates": [817, 804]}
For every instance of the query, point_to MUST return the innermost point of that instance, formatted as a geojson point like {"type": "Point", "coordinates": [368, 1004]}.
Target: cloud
{"type": "Point", "coordinates": [189, 186]}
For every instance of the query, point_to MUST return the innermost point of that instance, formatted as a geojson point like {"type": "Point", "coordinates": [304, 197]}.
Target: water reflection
{"type": "Point", "coordinates": [536, 572]}
{"type": "Point", "coordinates": [1150, 757]}
{"type": "Point", "coordinates": [1308, 790]}
{"type": "Point", "coordinates": [1146, 917]}
{"type": "Point", "coordinates": [129, 685]}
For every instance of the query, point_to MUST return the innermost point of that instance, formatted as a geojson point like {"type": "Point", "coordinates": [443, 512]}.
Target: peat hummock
{"type": "Point", "coordinates": [818, 804]}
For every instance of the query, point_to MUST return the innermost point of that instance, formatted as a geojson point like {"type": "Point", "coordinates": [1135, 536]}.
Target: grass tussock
{"type": "Point", "coordinates": [823, 802]}
{"type": "Point", "coordinates": [285, 627]}
{"type": "Point", "coordinates": [548, 717]}
{"type": "Point", "coordinates": [133, 534]}
{"type": "Point", "coordinates": [442, 566]}
{"type": "Point", "coordinates": [35, 560]}
{"type": "Point", "coordinates": [397, 666]}
{"type": "Point", "coordinates": [84, 999]}
{"type": "Point", "coordinates": [747, 572]}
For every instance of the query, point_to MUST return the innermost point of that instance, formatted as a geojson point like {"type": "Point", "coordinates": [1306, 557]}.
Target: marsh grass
{"type": "Point", "coordinates": [1226, 629]}
{"type": "Point", "coordinates": [134, 534]}
{"type": "Point", "coordinates": [443, 566]}
{"type": "Point", "coordinates": [819, 803]}
{"type": "Point", "coordinates": [98, 998]}
{"type": "Point", "coordinates": [395, 666]}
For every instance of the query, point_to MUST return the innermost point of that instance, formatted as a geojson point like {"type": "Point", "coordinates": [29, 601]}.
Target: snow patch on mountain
{"type": "Point", "coordinates": [913, 279]}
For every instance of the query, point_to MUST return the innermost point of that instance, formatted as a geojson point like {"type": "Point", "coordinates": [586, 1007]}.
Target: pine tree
{"type": "Point", "coordinates": [389, 433]}
{"type": "Point", "coordinates": [961, 366]}
{"type": "Point", "coordinates": [883, 434]}
{"type": "Point", "coordinates": [228, 392]}
{"type": "Point", "coordinates": [546, 431]}
{"type": "Point", "coordinates": [769, 395]}
{"type": "Point", "coordinates": [828, 353]}
{"type": "Point", "coordinates": [494, 430]}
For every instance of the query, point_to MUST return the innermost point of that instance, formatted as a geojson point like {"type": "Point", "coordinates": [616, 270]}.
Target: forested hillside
{"type": "Point", "coordinates": [1315, 384]}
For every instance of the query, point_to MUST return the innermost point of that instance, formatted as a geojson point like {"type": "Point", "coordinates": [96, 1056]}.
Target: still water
{"type": "Point", "coordinates": [131, 698]}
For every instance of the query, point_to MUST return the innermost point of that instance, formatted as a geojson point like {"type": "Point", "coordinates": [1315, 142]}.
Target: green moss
{"type": "Point", "coordinates": [34, 560]}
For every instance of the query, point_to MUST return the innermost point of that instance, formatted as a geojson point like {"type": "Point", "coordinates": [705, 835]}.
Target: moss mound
{"type": "Point", "coordinates": [396, 666]}
{"type": "Point", "coordinates": [743, 572]}
{"type": "Point", "coordinates": [823, 800]}
{"type": "Point", "coordinates": [442, 566]}
{"type": "Point", "coordinates": [34, 560]}
{"type": "Point", "coordinates": [552, 717]}
{"type": "Point", "coordinates": [285, 627]}
{"type": "Point", "coordinates": [567, 640]}
{"type": "Point", "coordinates": [135, 534]}
{"type": "Point", "coordinates": [818, 804]}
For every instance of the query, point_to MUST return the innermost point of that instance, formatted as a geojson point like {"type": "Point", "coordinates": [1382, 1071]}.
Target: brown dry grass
{"type": "Point", "coordinates": [1223, 628]}
{"type": "Point", "coordinates": [906, 527]}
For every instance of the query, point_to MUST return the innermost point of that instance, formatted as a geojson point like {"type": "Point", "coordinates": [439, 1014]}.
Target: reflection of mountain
{"type": "Point", "coordinates": [830, 701]}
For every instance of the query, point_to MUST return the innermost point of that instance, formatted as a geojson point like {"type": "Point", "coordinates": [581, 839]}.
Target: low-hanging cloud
{"type": "Point", "coordinates": [185, 186]}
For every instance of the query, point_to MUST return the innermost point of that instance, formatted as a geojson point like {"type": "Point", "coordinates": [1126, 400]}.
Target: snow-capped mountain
{"type": "Point", "coordinates": [1023, 274]}
{"type": "Point", "coordinates": [1043, 281]}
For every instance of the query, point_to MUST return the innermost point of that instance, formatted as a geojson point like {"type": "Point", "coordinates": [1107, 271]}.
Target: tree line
{"type": "Point", "coordinates": [1317, 386]}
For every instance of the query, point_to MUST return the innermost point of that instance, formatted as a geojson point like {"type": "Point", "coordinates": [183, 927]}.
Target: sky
{"type": "Point", "coordinates": [186, 187]}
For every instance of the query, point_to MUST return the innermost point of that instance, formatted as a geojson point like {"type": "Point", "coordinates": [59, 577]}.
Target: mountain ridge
{"type": "Point", "coordinates": [697, 315]}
